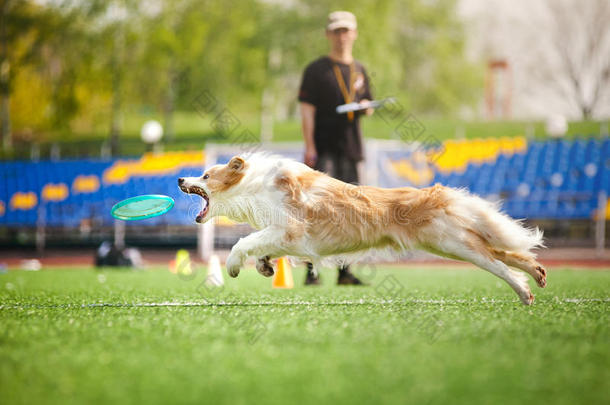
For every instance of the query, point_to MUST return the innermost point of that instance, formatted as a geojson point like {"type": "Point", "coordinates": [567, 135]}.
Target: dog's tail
{"type": "Point", "coordinates": [497, 228]}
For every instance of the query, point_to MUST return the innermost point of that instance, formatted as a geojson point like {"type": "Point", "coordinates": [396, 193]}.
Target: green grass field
{"type": "Point", "coordinates": [422, 336]}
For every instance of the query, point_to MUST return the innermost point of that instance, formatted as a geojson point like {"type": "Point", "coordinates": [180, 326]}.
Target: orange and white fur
{"type": "Point", "coordinates": [303, 213]}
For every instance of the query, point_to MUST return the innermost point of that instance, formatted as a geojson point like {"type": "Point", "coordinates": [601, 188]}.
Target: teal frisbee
{"type": "Point", "coordinates": [142, 207]}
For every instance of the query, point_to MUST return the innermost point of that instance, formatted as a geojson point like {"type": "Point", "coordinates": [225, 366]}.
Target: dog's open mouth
{"type": "Point", "coordinates": [206, 201]}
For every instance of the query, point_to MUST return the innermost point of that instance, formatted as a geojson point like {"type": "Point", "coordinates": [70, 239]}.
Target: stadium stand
{"type": "Point", "coordinates": [551, 179]}
{"type": "Point", "coordinates": [64, 193]}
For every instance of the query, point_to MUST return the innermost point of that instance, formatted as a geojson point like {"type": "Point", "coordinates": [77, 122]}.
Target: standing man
{"type": "Point", "coordinates": [333, 142]}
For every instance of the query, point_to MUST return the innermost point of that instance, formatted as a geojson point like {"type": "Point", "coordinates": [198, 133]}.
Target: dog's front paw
{"type": "Point", "coordinates": [264, 267]}
{"type": "Point", "coordinates": [233, 266]}
{"type": "Point", "coordinates": [233, 271]}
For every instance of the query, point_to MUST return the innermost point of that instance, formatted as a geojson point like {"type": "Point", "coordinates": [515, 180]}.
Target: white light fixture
{"type": "Point", "coordinates": [151, 132]}
{"type": "Point", "coordinates": [556, 125]}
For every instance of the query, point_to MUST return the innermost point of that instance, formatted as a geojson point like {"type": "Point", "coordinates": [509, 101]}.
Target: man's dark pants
{"type": "Point", "coordinates": [346, 170]}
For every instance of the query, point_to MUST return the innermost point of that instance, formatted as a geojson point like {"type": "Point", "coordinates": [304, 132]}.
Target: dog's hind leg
{"type": "Point", "coordinates": [524, 262]}
{"type": "Point", "coordinates": [516, 280]}
{"type": "Point", "coordinates": [483, 259]}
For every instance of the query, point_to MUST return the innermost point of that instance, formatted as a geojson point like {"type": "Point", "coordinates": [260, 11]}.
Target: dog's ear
{"type": "Point", "coordinates": [237, 164]}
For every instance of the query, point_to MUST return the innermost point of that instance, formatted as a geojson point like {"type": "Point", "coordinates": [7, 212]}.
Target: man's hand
{"type": "Point", "coordinates": [308, 113]}
{"type": "Point", "coordinates": [368, 111]}
{"type": "Point", "coordinates": [311, 156]}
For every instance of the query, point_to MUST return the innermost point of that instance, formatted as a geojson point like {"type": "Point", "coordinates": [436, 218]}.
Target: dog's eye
{"type": "Point", "coordinates": [206, 176]}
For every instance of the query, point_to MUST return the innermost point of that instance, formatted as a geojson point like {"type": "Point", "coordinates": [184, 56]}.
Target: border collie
{"type": "Point", "coordinates": [303, 213]}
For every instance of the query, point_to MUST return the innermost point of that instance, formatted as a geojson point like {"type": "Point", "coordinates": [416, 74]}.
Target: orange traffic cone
{"type": "Point", "coordinates": [283, 274]}
{"type": "Point", "coordinates": [172, 266]}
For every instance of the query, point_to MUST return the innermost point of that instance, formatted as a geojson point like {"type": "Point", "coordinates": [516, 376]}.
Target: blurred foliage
{"type": "Point", "coordinates": [78, 66]}
{"type": "Point", "coordinates": [193, 131]}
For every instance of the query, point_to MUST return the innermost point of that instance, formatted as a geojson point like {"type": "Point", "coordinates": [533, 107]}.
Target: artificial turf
{"type": "Point", "coordinates": [422, 336]}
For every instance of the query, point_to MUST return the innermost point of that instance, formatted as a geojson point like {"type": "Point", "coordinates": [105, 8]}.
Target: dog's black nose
{"type": "Point", "coordinates": [180, 181]}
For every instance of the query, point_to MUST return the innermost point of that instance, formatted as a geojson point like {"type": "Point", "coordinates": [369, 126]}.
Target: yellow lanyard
{"type": "Point", "coordinates": [348, 96]}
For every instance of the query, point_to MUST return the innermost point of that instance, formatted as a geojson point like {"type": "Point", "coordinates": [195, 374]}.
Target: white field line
{"type": "Point", "coordinates": [206, 303]}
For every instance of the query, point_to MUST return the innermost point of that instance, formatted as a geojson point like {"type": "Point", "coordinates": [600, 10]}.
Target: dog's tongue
{"type": "Point", "coordinates": [203, 211]}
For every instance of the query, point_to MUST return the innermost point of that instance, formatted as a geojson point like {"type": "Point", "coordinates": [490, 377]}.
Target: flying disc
{"type": "Point", "coordinates": [142, 207]}
{"type": "Point", "coordinates": [345, 108]}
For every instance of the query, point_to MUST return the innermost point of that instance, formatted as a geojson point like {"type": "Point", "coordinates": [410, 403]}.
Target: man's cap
{"type": "Point", "coordinates": [341, 19]}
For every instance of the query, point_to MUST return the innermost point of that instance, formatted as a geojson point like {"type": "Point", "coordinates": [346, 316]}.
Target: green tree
{"type": "Point", "coordinates": [22, 29]}
{"type": "Point", "coordinates": [99, 58]}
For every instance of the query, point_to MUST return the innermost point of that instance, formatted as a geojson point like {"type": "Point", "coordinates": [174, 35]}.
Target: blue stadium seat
{"type": "Point", "coordinates": [582, 164]}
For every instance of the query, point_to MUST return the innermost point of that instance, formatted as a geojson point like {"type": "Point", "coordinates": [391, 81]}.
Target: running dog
{"type": "Point", "coordinates": [303, 213]}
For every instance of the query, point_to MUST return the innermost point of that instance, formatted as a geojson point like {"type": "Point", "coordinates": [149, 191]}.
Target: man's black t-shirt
{"type": "Point", "coordinates": [334, 133]}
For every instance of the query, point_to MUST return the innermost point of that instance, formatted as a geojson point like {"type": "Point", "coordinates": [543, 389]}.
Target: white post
{"type": "Point", "coordinates": [157, 148]}
{"type": "Point", "coordinates": [600, 224]}
{"type": "Point", "coordinates": [205, 232]}
{"type": "Point", "coordinates": [205, 240]}
{"type": "Point", "coordinates": [119, 233]}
